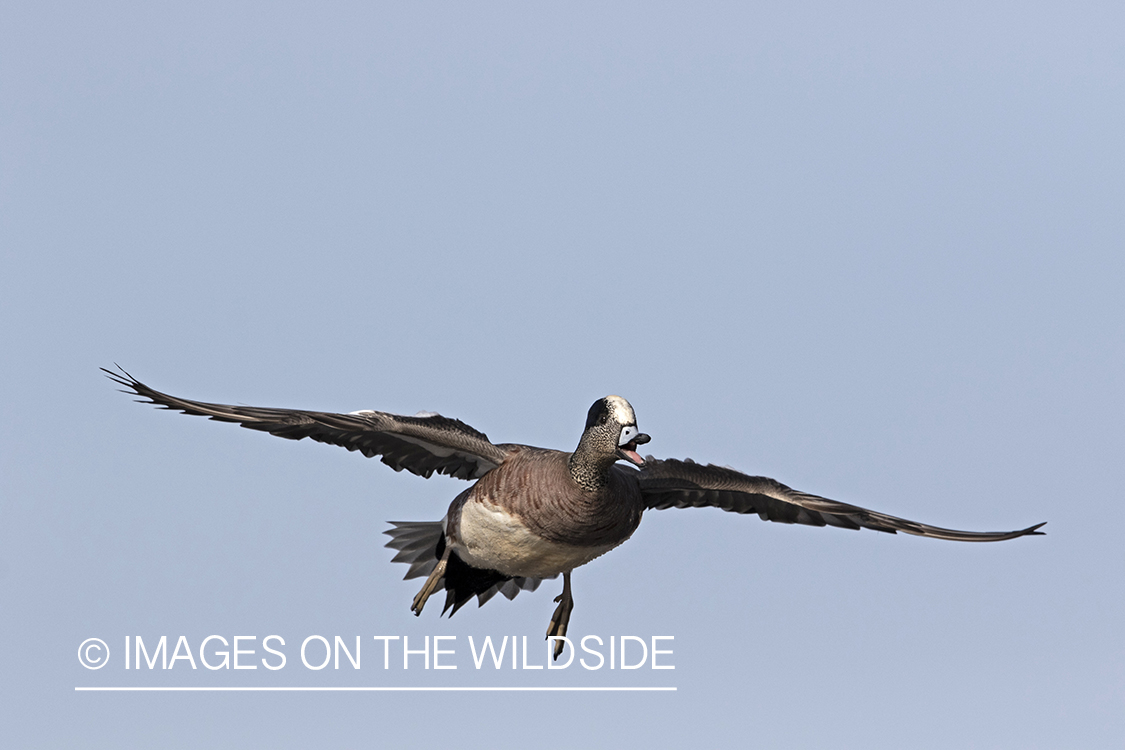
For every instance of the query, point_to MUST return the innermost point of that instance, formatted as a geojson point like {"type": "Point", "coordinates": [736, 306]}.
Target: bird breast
{"type": "Point", "coordinates": [528, 518]}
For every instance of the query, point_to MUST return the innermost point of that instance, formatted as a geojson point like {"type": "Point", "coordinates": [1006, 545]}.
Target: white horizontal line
{"type": "Point", "coordinates": [373, 689]}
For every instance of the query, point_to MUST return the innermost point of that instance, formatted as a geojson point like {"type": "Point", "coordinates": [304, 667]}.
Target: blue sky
{"type": "Point", "coordinates": [872, 251]}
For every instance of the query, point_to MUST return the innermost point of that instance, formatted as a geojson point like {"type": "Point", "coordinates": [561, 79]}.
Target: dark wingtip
{"type": "Point", "coordinates": [125, 379]}
{"type": "Point", "coordinates": [117, 377]}
{"type": "Point", "coordinates": [1032, 530]}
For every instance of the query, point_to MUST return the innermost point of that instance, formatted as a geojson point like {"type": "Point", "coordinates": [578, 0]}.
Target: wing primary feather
{"type": "Point", "coordinates": [672, 483]}
{"type": "Point", "coordinates": [421, 445]}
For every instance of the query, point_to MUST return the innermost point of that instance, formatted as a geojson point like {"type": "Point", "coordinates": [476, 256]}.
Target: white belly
{"type": "Point", "coordinates": [493, 539]}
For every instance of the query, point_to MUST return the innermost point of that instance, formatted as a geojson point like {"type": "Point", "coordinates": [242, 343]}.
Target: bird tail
{"type": "Point", "coordinates": [421, 544]}
{"type": "Point", "coordinates": [417, 543]}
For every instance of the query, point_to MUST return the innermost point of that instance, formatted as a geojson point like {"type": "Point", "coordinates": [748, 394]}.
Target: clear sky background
{"type": "Point", "coordinates": [872, 250]}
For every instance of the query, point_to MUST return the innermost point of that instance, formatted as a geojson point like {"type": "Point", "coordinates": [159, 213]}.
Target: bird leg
{"type": "Point", "coordinates": [561, 618]}
{"type": "Point", "coordinates": [431, 585]}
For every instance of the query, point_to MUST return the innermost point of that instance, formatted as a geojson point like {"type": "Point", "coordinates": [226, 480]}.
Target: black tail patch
{"type": "Point", "coordinates": [463, 581]}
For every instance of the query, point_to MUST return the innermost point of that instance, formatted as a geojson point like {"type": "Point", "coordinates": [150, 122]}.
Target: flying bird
{"type": "Point", "coordinates": [534, 513]}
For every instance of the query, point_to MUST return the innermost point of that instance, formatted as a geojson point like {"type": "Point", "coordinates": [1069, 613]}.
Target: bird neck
{"type": "Point", "coordinates": [590, 469]}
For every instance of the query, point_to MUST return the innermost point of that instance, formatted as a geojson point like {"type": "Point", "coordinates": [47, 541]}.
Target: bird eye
{"type": "Point", "coordinates": [598, 414]}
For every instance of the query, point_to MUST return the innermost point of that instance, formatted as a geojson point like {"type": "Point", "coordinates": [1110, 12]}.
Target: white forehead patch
{"type": "Point", "coordinates": [621, 411]}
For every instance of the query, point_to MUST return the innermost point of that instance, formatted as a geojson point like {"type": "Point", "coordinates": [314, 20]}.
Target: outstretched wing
{"type": "Point", "coordinates": [686, 484]}
{"type": "Point", "coordinates": [421, 444]}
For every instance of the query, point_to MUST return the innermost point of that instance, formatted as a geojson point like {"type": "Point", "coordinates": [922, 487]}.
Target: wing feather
{"type": "Point", "coordinates": [422, 444]}
{"type": "Point", "coordinates": [685, 484]}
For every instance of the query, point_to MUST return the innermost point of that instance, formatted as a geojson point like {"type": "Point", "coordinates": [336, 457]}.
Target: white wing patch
{"type": "Point", "coordinates": [421, 414]}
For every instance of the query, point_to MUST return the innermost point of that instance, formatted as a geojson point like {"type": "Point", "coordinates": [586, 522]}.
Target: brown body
{"type": "Point", "coordinates": [528, 516]}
